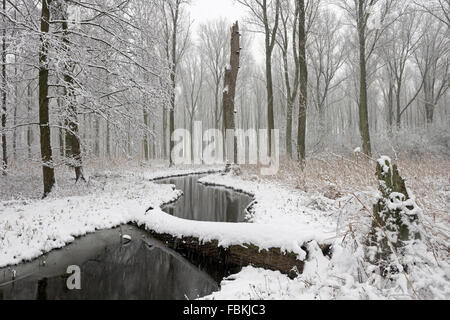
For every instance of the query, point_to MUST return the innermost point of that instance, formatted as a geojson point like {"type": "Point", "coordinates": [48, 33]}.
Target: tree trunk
{"type": "Point", "coordinates": [44, 125]}
{"type": "Point", "coordinates": [146, 145]}
{"type": "Point", "coordinates": [390, 103]}
{"type": "Point", "coordinates": [269, 85]}
{"type": "Point", "coordinates": [61, 136]}
{"type": "Point", "coordinates": [97, 136]}
{"type": "Point", "coordinates": [290, 98]}
{"type": "Point", "coordinates": [303, 98]}
{"type": "Point", "coordinates": [108, 138]}
{"type": "Point", "coordinates": [229, 92]}
{"type": "Point", "coordinates": [429, 111]}
{"type": "Point", "coordinates": [164, 129]}
{"type": "Point", "coordinates": [289, 120]}
{"type": "Point", "coordinates": [398, 103]}
{"type": "Point", "coordinates": [16, 105]}
{"type": "Point", "coordinates": [429, 107]}
{"type": "Point", "coordinates": [72, 135]}
{"type": "Point", "coordinates": [4, 147]}
{"type": "Point", "coordinates": [29, 128]}
{"type": "Point", "coordinates": [173, 76]}
{"type": "Point", "coordinates": [363, 108]}
{"type": "Point", "coordinates": [154, 143]}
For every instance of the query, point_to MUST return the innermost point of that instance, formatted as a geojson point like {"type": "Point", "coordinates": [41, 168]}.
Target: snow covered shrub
{"type": "Point", "coordinates": [233, 169]}
{"type": "Point", "coordinates": [395, 219]}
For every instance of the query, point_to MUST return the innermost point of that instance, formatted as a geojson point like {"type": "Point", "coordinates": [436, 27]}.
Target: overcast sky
{"type": "Point", "coordinates": [205, 10]}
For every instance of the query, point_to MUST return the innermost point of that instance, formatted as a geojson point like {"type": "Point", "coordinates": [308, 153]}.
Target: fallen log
{"type": "Point", "coordinates": [237, 255]}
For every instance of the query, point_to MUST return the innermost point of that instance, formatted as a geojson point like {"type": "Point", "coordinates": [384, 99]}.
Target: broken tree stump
{"type": "Point", "coordinates": [395, 214]}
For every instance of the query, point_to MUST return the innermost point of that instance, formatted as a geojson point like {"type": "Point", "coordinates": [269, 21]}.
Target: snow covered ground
{"type": "Point", "coordinates": [32, 227]}
{"type": "Point", "coordinates": [282, 216]}
{"type": "Point", "coordinates": [346, 275]}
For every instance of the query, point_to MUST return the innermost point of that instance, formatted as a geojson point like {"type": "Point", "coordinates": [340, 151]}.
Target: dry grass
{"type": "Point", "coordinates": [427, 176]}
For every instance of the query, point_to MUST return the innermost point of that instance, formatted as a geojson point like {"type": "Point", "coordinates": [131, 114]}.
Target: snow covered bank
{"type": "Point", "coordinates": [312, 216]}
{"type": "Point", "coordinates": [346, 274]}
{"type": "Point", "coordinates": [341, 277]}
{"type": "Point", "coordinates": [264, 236]}
{"type": "Point", "coordinates": [35, 227]}
{"type": "Point", "coordinates": [281, 216]}
{"type": "Point", "coordinates": [30, 228]}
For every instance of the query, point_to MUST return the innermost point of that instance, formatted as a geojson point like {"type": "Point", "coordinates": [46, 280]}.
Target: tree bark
{"type": "Point", "coordinates": [390, 103]}
{"type": "Point", "coordinates": [303, 98]}
{"type": "Point", "coordinates": [398, 103]}
{"type": "Point", "coordinates": [16, 105]}
{"type": "Point", "coordinates": [73, 143]}
{"type": "Point", "coordinates": [44, 126]}
{"type": "Point", "coordinates": [173, 76]}
{"type": "Point", "coordinates": [4, 109]}
{"type": "Point", "coordinates": [146, 144]}
{"type": "Point", "coordinates": [29, 129]}
{"type": "Point", "coordinates": [363, 108]}
{"type": "Point", "coordinates": [97, 136]}
{"type": "Point", "coordinates": [270, 36]}
{"type": "Point", "coordinates": [229, 92]}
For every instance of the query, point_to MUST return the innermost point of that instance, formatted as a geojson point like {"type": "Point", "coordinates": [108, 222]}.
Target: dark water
{"type": "Point", "coordinates": [206, 203]}
{"type": "Point", "coordinates": [142, 269]}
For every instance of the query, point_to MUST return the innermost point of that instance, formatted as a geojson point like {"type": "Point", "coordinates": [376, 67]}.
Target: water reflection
{"type": "Point", "coordinates": [142, 269]}
{"type": "Point", "coordinates": [206, 203]}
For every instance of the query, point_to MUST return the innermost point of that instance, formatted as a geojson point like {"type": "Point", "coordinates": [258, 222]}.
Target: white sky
{"type": "Point", "coordinates": [202, 11]}
{"type": "Point", "coordinates": [206, 10]}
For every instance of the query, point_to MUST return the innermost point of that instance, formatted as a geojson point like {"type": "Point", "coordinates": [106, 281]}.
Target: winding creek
{"type": "Point", "coordinates": [141, 269]}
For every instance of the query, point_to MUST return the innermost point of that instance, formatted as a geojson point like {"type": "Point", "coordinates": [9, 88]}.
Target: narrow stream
{"type": "Point", "coordinates": [142, 269]}
{"type": "Point", "coordinates": [206, 203]}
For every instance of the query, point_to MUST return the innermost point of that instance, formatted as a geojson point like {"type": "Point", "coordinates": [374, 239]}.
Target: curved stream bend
{"type": "Point", "coordinates": [142, 269]}
{"type": "Point", "coordinates": [203, 202]}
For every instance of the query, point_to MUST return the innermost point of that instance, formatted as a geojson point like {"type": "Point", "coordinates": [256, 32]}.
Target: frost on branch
{"type": "Point", "coordinates": [396, 216]}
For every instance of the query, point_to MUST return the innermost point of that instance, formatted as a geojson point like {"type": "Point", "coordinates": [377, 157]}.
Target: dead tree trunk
{"type": "Point", "coordinates": [395, 216]}
{"type": "Point", "coordinates": [229, 91]}
{"type": "Point", "coordinates": [44, 126]}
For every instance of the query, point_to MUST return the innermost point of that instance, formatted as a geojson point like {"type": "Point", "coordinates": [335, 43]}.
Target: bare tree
{"type": "Point", "coordinates": [402, 40]}
{"type": "Point", "coordinates": [327, 55]}
{"type": "Point", "coordinates": [72, 141]}
{"type": "Point", "coordinates": [370, 18]}
{"type": "Point", "coordinates": [192, 80]}
{"type": "Point", "coordinates": [44, 123]}
{"type": "Point", "coordinates": [288, 30]}
{"type": "Point", "coordinates": [4, 166]}
{"type": "Point", "coordinates": [303, 98]}
{"type": "Point", "coordinates": [265, 17]}
{"type": "Point", "coordinates": [437, 8]}
{"type": "Point", "coordinates": [214, 46]}
{"type": "Point", "coordinates": [172, 19]}
{"type": "Point", "coordinates": [432, 60]}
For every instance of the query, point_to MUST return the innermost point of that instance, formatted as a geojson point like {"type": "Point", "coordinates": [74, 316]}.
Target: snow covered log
{"type": "Point", "coordinates": [236, 255]}
{"type": "Point", "coordinates": [234, 244]}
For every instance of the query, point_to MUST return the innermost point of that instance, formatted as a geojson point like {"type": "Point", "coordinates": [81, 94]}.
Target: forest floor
{"type": "Point", "coordinates": [326, 202]}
